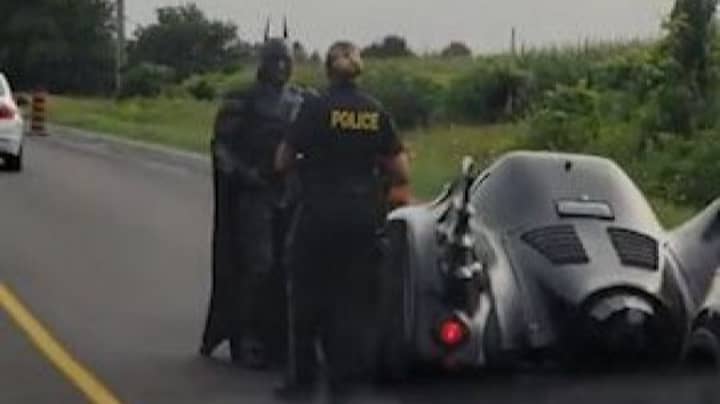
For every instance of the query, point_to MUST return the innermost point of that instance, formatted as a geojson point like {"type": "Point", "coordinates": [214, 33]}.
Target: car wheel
{"type": "Point", "coordinates": [394, 353]}
{"type": "Point", "coordinates": [704, 347]}
{"type": "Point", "coordinates": [14, 163]}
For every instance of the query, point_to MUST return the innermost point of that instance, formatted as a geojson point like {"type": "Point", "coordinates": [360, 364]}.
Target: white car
{"type": "Point", "coordinates": [11, 128]}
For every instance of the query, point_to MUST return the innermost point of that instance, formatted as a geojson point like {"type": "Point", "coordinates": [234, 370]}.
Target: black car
{"type": "Point", "coordinates": [547, 258]}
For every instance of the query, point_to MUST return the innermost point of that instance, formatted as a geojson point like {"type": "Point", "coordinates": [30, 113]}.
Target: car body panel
{"type": "Point", "coordinates": [11, 130]}
{"type": "Point", "coordinates": [696, 246]}
{"type": "Point", "coordinates": [568, 248]}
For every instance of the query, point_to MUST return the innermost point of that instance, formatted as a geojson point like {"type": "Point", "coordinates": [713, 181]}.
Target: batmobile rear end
{"type": "Point", "coordinates": [543, 258]}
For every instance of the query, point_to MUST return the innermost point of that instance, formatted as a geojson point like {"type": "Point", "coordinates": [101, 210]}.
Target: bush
{"type": "Point", "coordinates": [309, 75]}
{"type": "Point", "coordinates": [412, 98]}
{"type": "Point", "coordinates": [491, 93]}
{"type": "Point", "coordinates": [636, 72]}
{"type": "Point", "coordinates": [566, 120]}
{"type": "Point", "coordinates": [551, 67]}
{"type": "Point", "coordinates": [456, 49]}
{"type": "Point", "coordinates": [392, 46]}
{"type": "Point", "coordinates": [675, 109]}
{"type": "Point", "coordinates": [685, 171]}
{"type": "Point", "coordinates": [202, 90]}
{"type": "Point", "coordinates": [146, 80]}
{"type": "Point", "coordinates": [700, 171]}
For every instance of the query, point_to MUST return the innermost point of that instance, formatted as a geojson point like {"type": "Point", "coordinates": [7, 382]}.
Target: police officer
{"type": "Point", "coordinates": [340, 144]}
{"type": "Point", "coordinates": [252, 210]}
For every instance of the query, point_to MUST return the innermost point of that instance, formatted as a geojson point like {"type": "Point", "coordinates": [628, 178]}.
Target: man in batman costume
{"type": "Point", "coordinates": [253, 208]}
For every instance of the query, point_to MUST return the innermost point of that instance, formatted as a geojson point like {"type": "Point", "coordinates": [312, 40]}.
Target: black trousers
{"type": "Point", "coordinates": [333, 292]}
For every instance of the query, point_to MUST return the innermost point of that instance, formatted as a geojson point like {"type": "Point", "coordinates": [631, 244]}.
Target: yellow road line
{"type": "Point", "coordinates": [51, 348]}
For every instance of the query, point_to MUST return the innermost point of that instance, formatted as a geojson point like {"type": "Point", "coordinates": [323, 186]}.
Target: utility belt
{"type": "Point", "coordinates": [343, 205]}
{"type": "Point", "coordinates": [356, 193]}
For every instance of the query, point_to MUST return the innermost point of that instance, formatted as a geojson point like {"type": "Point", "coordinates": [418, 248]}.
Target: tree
{"type": "Point", "coordinates": [239, 53]}
{"type": "Point", "coordinates": [688, 93]}
{"type": "Point", "coordinates": [316, 58]}
{"type": "Point", "coordinates": [391, 46]}
{"type": "Point", "coordinates": [145, 80]}
{"type": "Point", "coordinates": [299, 52]}
{"type": "Point", "coordinates": [58, 44]}
{"type": "Point", "coordinates": [456, 49]}
{"type": "Point", "coordinates": [691, 30]}
{"type": "Point", "coordinates": [186, 40]}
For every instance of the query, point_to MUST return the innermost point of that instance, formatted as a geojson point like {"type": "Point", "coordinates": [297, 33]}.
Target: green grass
{"type": "Point", "coordinates": [187, 124]}
{"type": "Point", "coordinates": [436, 153]}
{"type": "Point", "coordinates": [182, 123]}
{"type": "Point", "coordinates": [671, 215]}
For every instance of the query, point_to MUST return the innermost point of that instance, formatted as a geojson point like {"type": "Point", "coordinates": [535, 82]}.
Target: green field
{"type": "Point", "coordinates": [440, 70]}
{"type": "Point", "coordinates": [436, 152]}
{"type": "Point", "coordinates": [567, 60]}
{"type": "Point", "coordinates": [182, 123]}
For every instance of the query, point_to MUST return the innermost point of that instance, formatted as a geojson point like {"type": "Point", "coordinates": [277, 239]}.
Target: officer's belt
{"type": "Point", "coordinates": [344, 191]}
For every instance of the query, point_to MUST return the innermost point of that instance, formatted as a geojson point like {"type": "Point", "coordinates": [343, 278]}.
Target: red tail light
{"type": "Point", "coordinates": [453, 332]}
{"type": "Point", "coordinates": [7, 112]}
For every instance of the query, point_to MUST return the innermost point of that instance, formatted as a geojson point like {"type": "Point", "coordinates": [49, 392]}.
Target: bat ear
{"type": "Point", "coordinates": [267, 30]}
{"type": "Point", "coordinates": [286, 34]}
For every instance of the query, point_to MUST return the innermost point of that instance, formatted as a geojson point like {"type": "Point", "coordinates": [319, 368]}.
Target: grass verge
{"type": "Point", "coordinates": [181, 123]}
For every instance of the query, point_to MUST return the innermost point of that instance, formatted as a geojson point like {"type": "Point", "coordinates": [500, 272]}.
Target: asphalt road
{"type": "Point", "coordinates": [110, 251]}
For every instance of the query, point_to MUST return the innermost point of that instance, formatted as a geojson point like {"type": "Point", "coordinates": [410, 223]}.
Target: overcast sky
{"type": "Point", "coordinates": [430, 24]}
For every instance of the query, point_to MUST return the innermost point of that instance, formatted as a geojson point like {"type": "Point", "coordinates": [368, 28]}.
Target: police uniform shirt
{"type": "Point", "coordinates": [340, 135]}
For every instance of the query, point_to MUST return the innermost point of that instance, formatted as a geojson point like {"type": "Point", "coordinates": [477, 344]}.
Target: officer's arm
{"type": "Point", "coordinates": [397, 168]}
{"type": "Point", "coordinates": [395, 162]}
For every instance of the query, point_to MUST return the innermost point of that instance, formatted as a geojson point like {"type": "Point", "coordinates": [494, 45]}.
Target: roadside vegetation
{"type": "Point", "coordinates": [183, 123]}
{"type": "Point", "coordinates": [652, 106]}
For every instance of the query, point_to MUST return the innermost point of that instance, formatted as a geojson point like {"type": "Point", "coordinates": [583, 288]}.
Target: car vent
{"type": "Point", "coordinates": [560, 244]}
{"type": "Point", "coordinates": [635, 249]}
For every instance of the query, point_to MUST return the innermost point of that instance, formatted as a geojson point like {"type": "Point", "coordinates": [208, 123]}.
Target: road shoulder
{"type": "Point", "coordinates": [99, 142]}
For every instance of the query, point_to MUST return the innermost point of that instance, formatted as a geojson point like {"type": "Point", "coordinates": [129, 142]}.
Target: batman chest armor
{"type": "Point", "coordinates": [272, 115]}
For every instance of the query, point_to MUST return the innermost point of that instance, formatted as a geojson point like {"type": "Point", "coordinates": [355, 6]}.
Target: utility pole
{"type": "Point", "coordinates": [120, 44]}
{"type": "Point", "coordinates": [513, 42]}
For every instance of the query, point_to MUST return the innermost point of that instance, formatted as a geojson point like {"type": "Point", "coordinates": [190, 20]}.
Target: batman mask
{"type": "Point", "coordinates": [276, 60]}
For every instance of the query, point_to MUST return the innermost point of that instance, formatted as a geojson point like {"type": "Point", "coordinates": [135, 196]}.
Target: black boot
{"type": "Point", "coordinates": [340, 393]}
{"type": "Point", "coordinates": [208, 347]}
{"type": "Point", "coordinates": [236, 351]}
{"type": "Point", "coordinates": [254, 355]}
